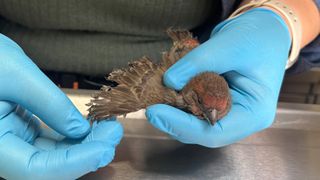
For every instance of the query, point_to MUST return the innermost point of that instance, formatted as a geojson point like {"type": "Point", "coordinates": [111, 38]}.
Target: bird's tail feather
{"type": "Point", "coordinates": [126, 96]}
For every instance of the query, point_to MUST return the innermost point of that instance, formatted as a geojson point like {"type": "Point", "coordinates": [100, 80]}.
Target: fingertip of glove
{"type": "Point", "coordinates": [158, 109]}
{"type": "Point", "coordinates": [106, 131]}
{"type": "Point", "coordinates": [114, 129]}
{"type": "Point", "coordinates": [106, 158]}
{"type": "Point", "coordinates": [77, 126]}
{"type": "Point", "coordinates": [179, 74]}
{"type": "Point", "coordinates": [102, 154]}
{"type": "Point", "coordinates": [155, 115]}
{"type": "Point", "coordinates": [170, 79]}
{"type": "Point", "coordinates": [153, 111]}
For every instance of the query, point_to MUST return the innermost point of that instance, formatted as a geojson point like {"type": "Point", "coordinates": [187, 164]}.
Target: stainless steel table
{"type": "Point", "coordinates": [290, 149]}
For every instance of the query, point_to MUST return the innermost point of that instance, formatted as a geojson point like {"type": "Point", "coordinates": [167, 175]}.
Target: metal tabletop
{"type": "Point", "coordinates": [290, 149]}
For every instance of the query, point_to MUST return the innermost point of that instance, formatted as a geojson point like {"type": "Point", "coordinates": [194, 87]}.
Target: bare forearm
{"type": "Point", "coordinates": [307, 13]}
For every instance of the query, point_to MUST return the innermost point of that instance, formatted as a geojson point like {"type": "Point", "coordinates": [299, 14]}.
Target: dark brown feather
{"type": "Point", "coordinates": [140, 85]}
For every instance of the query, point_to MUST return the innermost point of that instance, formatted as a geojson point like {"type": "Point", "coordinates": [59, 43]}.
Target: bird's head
{"type": "Point", "coordinates": [207, 96]}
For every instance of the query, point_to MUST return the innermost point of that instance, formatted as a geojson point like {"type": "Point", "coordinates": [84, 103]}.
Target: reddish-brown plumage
{"type": "Point", "coordinates": [140, 85]}
{"type": "Point", "coordinates": [208, 95]}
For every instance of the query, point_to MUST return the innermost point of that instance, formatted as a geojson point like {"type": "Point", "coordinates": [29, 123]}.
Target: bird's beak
{"type": "Point", "coordinates": [211, 116]}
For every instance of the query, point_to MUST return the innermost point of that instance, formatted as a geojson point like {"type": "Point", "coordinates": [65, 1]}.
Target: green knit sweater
{"type": "Point", "coordinates": [95, 36]}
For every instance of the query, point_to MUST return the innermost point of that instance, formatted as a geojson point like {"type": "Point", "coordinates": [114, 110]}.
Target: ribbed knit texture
{"type": "Point", "coordinates": [95, 36]}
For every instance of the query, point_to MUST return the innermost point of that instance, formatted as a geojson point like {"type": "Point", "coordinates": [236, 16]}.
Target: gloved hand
{"type": "Point", "coordinates": [31, 151]}
{"type": "Point", "coordinates": [251, 52]}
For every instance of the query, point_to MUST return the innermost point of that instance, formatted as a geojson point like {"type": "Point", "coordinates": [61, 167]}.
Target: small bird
{"type": "Point", "coordinates": [140, 85]}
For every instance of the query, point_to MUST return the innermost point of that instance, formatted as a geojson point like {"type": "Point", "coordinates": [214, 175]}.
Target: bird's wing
{"type": "Point", "coordinates": [131, 93]}
{"type": "Point", "coordinates": [183, 42]}
{"type": "Point", "coordinates": [126, 96]}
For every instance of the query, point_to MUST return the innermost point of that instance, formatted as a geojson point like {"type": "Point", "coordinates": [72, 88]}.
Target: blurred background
{"type": "Point", "coordinates": [302, 88]}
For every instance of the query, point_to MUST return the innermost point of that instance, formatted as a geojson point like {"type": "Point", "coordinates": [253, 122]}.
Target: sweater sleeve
{"type": "Point", "coordinates": [1, 23]}
{"type": "Point", "coordinates": [309, 56]}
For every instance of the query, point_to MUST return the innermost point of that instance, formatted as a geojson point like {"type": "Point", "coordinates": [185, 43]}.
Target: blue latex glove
{"type": "Point", "coordinates": [251, 52]}
{"type": "Point", "coordinates": [30, 151]}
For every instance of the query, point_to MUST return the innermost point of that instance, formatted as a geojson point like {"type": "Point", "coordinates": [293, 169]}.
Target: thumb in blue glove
{"type": "Point", "coordinates": [250, 51]}
{"type": "Point", "coordinates": [29, 151]}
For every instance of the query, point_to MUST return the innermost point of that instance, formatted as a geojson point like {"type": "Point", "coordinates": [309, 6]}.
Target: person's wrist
{"type": "Point", "coordinates": [284, 12]}
{"type": "Point", "coordinates": [307, 13]}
